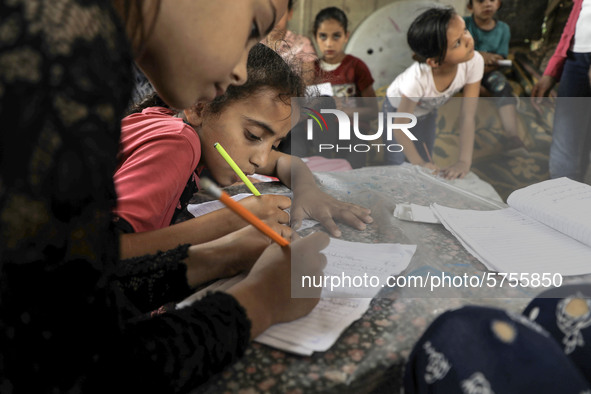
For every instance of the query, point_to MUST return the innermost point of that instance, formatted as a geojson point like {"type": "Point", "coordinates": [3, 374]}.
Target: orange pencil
{"type": "Point", "coordinates": [244, 213]}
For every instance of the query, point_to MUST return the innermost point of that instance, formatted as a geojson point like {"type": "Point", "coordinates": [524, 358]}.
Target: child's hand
{"type": "Point", "coordinates": [315, 204]}
{"type": "Point", "coordinates": [269, 207]}
{"type": "Point", "coordinates": [266, 292]}
{"type": "Point", "coordinates": [490, 59]}
{"type": "Point", "coordinates": [458, 170]}
{"type": "Point", "coordinates": [231, 254]}
{"type": "Point", "coordinates": [431, 166]}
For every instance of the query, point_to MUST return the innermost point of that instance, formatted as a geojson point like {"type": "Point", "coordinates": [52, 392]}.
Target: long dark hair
{"type": "Point", "coordinates": [265, 69]}
{"type": "Point", "coordinates": [331, 13]}
{"type": "Point", "coordinates": [427, 35]}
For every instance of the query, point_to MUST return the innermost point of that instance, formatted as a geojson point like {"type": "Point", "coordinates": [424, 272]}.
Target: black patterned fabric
{"type": "Point", "coordinates": [72, 317]}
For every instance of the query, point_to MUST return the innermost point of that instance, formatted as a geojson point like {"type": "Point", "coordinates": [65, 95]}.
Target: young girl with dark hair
{"type": "Point", "coordinates": [72, 314]}
{"type": "Point", "coordinates": [349, 76]}
{"type": "Point", "coordinates": [445, 64]}
{"type": "Point", "coordinates": [163, 151]}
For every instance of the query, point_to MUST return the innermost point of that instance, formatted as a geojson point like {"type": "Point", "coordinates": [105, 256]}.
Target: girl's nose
{"type": "Point", "coordinates": [239, 74]}
{"type": "Point", "coordinates": [259, 158]}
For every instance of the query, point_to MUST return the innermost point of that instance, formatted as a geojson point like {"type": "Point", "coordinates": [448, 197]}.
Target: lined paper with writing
{"type": "Point", "coordinates": [562, 204]}
{"type": "Point", "coordinates": [339, 308]}
{"type": "Point", "coordinates": [506, 240]}
{"type": "Point", "coordinates": [336, 309]}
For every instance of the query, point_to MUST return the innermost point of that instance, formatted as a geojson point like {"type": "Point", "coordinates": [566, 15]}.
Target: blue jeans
{"type": "Point", "coordinates": [424, 131]}
{"type": "Point", "coordinates": [571, 138]}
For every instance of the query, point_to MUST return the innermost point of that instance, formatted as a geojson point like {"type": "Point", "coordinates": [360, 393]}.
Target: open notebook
{"type": "Point", "coordinates": [337, 309]}
{"type": "Point", "coordinates": [546, 229]}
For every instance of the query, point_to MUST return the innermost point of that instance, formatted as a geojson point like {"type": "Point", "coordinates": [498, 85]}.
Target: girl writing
{"type": "Point", "coordinates": [65, 295]}
{"type": "Point", "coordinates": [445, 64]}
{"type": "Point", "coordinates": [161, 149]}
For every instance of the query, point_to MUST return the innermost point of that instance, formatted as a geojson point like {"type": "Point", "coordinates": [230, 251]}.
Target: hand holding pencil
{"type": "Point", "coordinates": [240, 210]}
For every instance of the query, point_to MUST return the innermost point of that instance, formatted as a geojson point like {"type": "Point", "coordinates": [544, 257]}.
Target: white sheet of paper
{"type": "Point", "coordinates": [210, 206]}
{"type": "Point", "coordinates": [507, 241]}
{"type": "Point", "coordinates": [319, 330]}
{"type": "Point", "coordinates": [561, 203]}
{"type": "Point", "coordinates": [321, 89]}
{"type": "Point", "coordinates": [415, 213]}
{"type": "Point", "coordinates": [322, 327]}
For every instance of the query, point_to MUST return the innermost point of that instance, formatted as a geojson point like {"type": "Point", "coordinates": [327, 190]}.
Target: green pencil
{"type": "Point", "coordinates": [236, 169]}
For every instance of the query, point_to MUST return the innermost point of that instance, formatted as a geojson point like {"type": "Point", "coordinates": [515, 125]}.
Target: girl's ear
{"type": "Point", "coordinates": [194, 114]}
{"type": "Point", "coordinates": [432, 62]}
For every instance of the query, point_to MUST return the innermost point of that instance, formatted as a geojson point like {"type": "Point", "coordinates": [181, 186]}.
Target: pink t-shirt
{"type": "Point", "coordinates": [556, 62]}
{"type": "Point", "coordinates": [159, 155]}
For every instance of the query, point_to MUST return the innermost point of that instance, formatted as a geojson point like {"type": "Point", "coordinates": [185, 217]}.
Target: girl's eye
{"type": "Point", "coordinates": [255, 33]}
{"type": "Point", "coordinates": [322, 36]}
{"type": "Point", "coordinates": [251, 137]}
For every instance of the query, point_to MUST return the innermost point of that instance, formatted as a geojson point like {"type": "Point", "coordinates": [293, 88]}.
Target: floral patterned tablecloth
{"type": "Point", "coordinates": [370, 355]}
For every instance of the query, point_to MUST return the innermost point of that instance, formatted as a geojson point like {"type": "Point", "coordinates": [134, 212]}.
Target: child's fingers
{"type": "Point", "coordinates": [361, 213]}
{"type": "Point", "coordinates": [352, 220]}
{"type": "Point", "coordinates": [282, 202]}
{"type": "Point", "coordinates": [449, 174]}
{"type": "Point", "coordinates": [453, 174]}
{"type": "Point", "coordinates": [330, 225]}
{"type": "Point", "coordinates": [296, 217]}
{"type": "Point", "coordinates": [286, 232]}
{"type": "Point", "coordinates": [283, 217]}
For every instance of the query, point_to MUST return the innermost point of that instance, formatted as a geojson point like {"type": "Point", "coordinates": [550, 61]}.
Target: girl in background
{"type": "Point", "coordinates": [349, 76]}
{"type": "Point", "coordinates": [162, 149]}
{"type": "Point", "coordinates": [445, 64]}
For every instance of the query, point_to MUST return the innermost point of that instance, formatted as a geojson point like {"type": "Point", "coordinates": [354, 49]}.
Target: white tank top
{"type": "Point", "coordinates": [582, 39]}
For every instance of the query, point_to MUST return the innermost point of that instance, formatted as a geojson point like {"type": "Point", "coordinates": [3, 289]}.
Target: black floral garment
{"type": "Point", "coordinates": [71, 314]}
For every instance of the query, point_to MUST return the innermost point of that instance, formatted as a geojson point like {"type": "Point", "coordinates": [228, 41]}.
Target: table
{"type": "Point", "coordinates": [370, 355]}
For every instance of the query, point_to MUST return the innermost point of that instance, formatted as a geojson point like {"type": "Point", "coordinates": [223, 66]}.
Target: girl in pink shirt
{"type": "Point", "coordinates": [163, 151]}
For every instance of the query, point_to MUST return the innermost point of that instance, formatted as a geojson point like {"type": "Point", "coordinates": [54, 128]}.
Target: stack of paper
{"type": "Point", "coordinates": [547, 229]}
